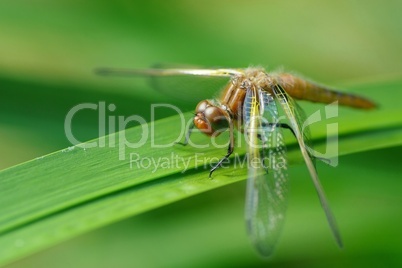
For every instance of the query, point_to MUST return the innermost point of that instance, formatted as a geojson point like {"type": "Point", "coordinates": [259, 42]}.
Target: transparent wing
{"type": "Point", "coordinates": [168, 72]}
{"type": "Point", "coordinates": [186, 84]}
{"type": "Point", "coordinates": [267, 176]}
{"type": "Point", "coordinates": [293, 112]}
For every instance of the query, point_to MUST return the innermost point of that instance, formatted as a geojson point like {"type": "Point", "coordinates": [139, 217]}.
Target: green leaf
{"type": "Point", "coordinates": [70, 192]}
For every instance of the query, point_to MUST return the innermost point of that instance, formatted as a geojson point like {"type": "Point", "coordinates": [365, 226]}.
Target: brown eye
{"type": "Point", "coordinates": [217, 119]}
{"type": "Point", "coordinates": [210, 119]}
{"type": "Point", "coordinates": [214, 117]}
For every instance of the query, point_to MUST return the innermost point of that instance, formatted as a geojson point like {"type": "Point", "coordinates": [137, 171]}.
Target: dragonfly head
{"type": "Point", "coordinates": [210, 119]}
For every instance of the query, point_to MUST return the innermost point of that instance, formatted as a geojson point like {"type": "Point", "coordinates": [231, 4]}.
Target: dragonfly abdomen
{"type": "Point", "coordinates": [304, 90]}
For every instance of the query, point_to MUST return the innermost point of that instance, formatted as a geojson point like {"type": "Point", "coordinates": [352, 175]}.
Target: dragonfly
{"type": "Point", "coordinates": [251, 102]}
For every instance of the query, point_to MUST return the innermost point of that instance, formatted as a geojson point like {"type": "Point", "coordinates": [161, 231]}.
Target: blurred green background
{"type": "Point", "coordinates": [48, 50]}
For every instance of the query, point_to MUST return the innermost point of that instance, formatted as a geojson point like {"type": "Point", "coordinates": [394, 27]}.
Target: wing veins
{"type": "Point", "coordinates": [266, 192]}
{"type": "Point", "coordinates": [291, 111]}
{"type": "Point", "coordinates": [167, 72]}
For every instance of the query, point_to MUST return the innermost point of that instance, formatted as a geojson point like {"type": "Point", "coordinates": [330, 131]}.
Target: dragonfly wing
{"type": "Point", "coordinates": [300, 117]}
{"type": "Point", "coordinates": [169, 72]}
{"type": "Point", "coordinates": [186, 84]}
{"type": "Point", "coordinates": [293, 112]}
{"type": "Point", "coordinates": [267, 182]}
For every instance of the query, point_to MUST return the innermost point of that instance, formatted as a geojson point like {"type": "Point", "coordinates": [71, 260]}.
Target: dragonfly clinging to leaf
{"type": "Point", "coordinates": [251, 102]}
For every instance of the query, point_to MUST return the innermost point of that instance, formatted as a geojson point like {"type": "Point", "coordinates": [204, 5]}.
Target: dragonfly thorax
{"type": "Point", "coordinates": [210, 118]}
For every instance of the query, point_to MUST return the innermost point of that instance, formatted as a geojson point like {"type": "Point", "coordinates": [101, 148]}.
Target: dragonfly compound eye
{"type": "Point", "coordinates": [211, 121]}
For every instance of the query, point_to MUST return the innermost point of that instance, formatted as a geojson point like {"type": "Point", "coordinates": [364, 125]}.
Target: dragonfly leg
{"type": "Point", "coordinates": [230, 148]}
{"type": "Point", "coordinates": [322, 159]}
{"type": "Point", "coordinates": [282, 125]}
{"type": "Point", "coordinates": [188, 134]}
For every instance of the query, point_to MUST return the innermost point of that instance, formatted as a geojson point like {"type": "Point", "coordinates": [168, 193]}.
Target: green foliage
{"type": "Point", "coordinates": [54, 202]}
